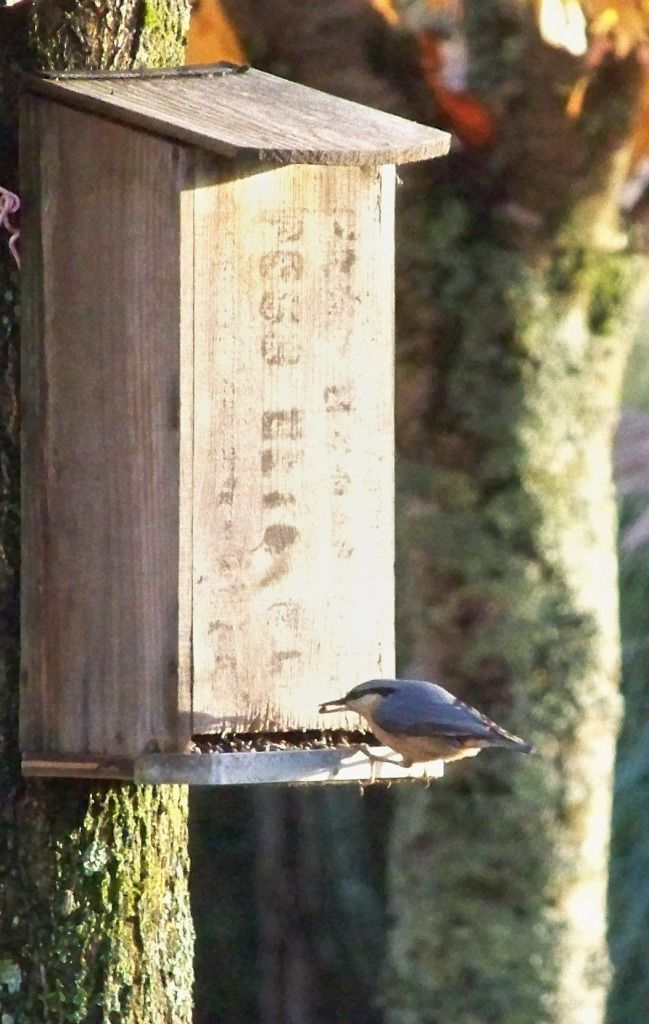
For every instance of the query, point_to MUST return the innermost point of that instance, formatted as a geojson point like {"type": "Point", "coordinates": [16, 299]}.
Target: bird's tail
{"type": "Point", "coordinates": [502, 738]}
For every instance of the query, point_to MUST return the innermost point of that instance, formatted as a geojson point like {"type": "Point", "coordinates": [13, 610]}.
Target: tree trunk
{"type": "Point", "coordinates": [508, 398]}
{"type": "Point", "coordinates": [94, 904]}
{"type": "Point", "coordinates": [223, 845]}
{"type": "Point", "coordinates": [320, 910]}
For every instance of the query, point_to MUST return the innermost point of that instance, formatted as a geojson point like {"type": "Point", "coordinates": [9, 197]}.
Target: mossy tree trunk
{"type": "Point", "coordinates": [321, 915]}
{"type": "Point", "coordinates": [507, 402]}
{"type": "Point", "coordinates": [94, 904]}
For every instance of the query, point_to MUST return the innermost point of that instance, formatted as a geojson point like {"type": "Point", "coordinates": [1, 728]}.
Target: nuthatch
{"type": "Point", "coordinates": [422, 721]}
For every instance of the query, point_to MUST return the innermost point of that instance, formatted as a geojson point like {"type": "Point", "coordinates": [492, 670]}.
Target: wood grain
{"type": "Point", "coordinates": [101, 435]}
{"type": "Point", "coordinates": [254, 115]}
{"type": "Point", "coordinates": [208, 439]}
{"type": "Point", "coordinates": [293, 441]}
{"type": "Point", "coordinates": [61, 767]}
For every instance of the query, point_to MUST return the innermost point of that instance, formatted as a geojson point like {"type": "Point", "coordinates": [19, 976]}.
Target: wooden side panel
{"type": "Point", "coordinates": [293, 442]}
{"type": "Point", "coordinates": [101, 435]}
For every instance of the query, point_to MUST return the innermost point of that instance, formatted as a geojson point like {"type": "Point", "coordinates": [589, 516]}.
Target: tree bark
{"type": "Point", "coordinates": [508, 397]}
{"type": "Point", "coordinates": [94, 904]}
{"type": "Point", "coordinates": [321, 916]}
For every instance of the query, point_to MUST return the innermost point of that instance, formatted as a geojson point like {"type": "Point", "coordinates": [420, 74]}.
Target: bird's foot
{"type": "Point", "coordinates": [368, 751]}
{"type": "Point", "coordinates": [375, 758]}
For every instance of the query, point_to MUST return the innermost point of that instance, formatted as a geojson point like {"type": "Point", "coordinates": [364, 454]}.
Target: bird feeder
{"type": "Point", "coordinates": [207, 423]}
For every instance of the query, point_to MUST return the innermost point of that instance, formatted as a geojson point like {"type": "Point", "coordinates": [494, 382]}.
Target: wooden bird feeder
{"type": "Point", "coordinates": [208, 423]}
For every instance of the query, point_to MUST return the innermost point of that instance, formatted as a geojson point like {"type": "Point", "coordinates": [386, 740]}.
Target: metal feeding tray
{"type": "Point", "coordinates": [302, 759]}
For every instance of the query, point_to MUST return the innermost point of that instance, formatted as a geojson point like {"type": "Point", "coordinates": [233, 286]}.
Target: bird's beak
{"type": "Point", "coordinates": [332, 705]}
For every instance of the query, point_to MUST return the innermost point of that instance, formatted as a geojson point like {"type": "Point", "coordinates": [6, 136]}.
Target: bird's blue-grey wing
{"type": "Point", "coordinates": [423, 712]}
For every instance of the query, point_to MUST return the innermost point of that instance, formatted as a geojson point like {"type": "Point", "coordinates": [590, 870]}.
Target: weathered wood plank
{"type": "Point", "coordinates": [100, 457]}
{"type": "Point", "coordinates": [254, 115]}
{"type": "Point", "coordinates": [58, 766]}
{"type": "Point", "coordinates": [293, 442]}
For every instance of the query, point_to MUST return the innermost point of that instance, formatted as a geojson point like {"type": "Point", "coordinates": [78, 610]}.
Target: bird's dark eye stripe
{"type": "Point", "coordinates": [380, 691]}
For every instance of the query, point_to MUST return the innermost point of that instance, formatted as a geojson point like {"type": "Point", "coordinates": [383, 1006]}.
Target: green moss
{"type": "Point", "coordinates": [609, 294]}
{"type": "Point", "coordinates": [164, 29]}
{"type": "Point", "coordinates": [115, 942]}
{"type": "Point", "coordinates": [567, 269]}
{"type": "Point", "coordinates": [61, 40]}
{"type": "Point", "coordinates": [152, 15]}
{"type": "Point", "coordinates": [605, 278]}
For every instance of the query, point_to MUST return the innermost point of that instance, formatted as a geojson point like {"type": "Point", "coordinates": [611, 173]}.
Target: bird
{"type": "Point", "coordinates": [422, 721]}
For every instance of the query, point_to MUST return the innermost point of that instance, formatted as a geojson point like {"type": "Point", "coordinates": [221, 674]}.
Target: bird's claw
{"type": "Point", "coordinates": [374, 758]}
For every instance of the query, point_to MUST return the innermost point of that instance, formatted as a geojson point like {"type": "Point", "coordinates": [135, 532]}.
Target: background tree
{"type": "Point", "coordinates": [94, 904]}
{"type": "Point", "coordinates": [498, 880]}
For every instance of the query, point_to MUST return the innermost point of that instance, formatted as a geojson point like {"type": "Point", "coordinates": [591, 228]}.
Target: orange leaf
{"type": "Point", "coordinates": [640, 143]}
{"type": "Point", "coordinates": [467, 117]}
{"type": "Point", "coordinates": [387, 10]}
{"type": "Point", "coordinates": [211, 36]}
{"type": "Point", "coordinates": [575, 103]}
{"type": "Point", "coordinates": [625, 23]}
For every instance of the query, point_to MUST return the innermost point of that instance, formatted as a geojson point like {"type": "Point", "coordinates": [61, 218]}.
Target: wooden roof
{"type": "Point", "coordinates": [247, 113]}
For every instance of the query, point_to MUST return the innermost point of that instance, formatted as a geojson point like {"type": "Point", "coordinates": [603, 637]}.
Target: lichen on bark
{"type": "Point", "coordinates": [105, 34]}
{"type": "Point", "coordinates": [104, 930]}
